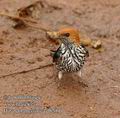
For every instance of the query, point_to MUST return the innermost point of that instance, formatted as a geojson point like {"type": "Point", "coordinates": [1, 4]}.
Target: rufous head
{"type": "Point", "coordinates": [72, 33]}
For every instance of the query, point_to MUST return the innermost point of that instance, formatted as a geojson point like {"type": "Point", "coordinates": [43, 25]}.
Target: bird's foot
{"type": "Point", "coordinates": [83, 84]}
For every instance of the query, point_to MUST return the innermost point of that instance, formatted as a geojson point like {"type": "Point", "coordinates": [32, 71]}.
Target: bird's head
{"type": "Point", "coordinates": [70, 34]}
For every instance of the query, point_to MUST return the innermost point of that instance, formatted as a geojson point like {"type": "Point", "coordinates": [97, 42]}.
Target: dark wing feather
{"type": "Point", "coordinates": [56, 54]}
{"type": "Point", "coordinates": [86, 51]}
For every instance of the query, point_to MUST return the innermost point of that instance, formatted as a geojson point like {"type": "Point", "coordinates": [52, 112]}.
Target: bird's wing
{"type": "Point", "coordinates": [85, 50]}
{"type": "Point", "coordinates": [56, 54]}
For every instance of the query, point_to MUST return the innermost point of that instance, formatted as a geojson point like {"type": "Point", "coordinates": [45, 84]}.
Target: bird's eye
{"type": "Point", "coordinates": [66, 34]}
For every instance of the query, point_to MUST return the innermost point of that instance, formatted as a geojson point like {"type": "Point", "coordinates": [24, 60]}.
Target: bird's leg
{"type": "Point", "coordinates": [60, 75]}
{"type": "Point", "coordinates": [79, 73]}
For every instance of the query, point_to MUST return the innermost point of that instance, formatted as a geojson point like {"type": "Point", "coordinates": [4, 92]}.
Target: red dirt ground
{"type": "Point", "coordinates": [28, 49]}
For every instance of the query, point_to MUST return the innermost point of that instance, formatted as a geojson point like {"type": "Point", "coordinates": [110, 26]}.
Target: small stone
{"type": "Point", "coordinates": [96, 44]}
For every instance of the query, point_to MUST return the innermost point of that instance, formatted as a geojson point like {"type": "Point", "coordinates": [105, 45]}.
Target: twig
{"type": "Point", "coordinates": [26, 20]}
{"type": "Point", "coordinates": [18, 18]}
{"type": "Point", "coordinates": [36, 27]}
{"type": "Point", "coordinates": [26, 71]}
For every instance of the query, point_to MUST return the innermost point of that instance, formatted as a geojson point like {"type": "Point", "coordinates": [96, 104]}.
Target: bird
{"type": "Point", "coordinates": [71, 54]}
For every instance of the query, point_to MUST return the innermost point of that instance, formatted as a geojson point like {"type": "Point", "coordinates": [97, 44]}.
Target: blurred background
{"type": "Point", "coordinates": [26, 67]}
